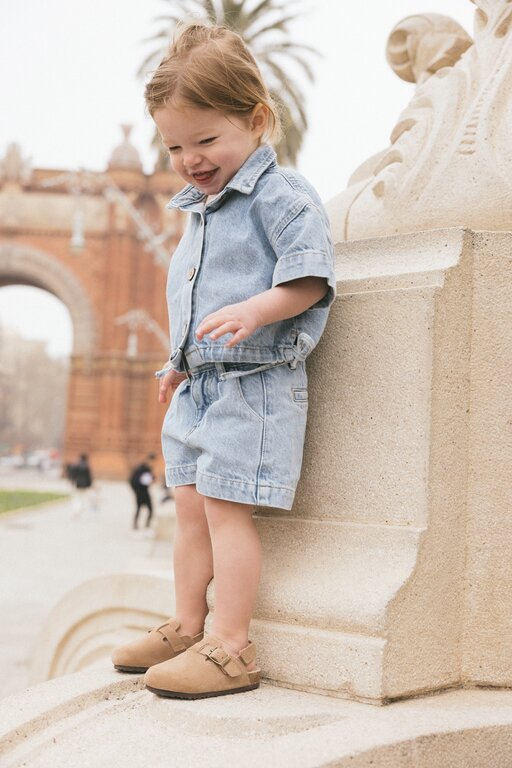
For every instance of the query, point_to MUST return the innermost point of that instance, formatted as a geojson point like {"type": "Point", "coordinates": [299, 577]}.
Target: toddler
{"type": "Point", "coordinates": [249, 290]}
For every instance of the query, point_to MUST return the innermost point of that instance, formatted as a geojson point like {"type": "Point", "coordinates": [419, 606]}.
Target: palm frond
{"type": "Point", "coordinates": [288, 148]}
{"type": "Point", "coordinates": [279, 25]}
{"type": "Point", "coordinates": [152, 60]}
{"type": "Point", "coordinates": [298, 46]}
{"type": "Point", "coordinates": [208, 8]}
{"type": "Point", "coordinates": [289, 95]}
{"type": "Point", "coordinates": [261, 7]}
{"type": "Point", "coordinates": [301, 61]}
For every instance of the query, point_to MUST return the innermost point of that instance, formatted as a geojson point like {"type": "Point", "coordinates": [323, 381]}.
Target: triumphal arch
{"type": "Point", "coordinates": [101, 243]}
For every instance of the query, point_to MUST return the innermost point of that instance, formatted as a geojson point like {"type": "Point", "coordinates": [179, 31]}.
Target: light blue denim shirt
{"type": "Point", "coordinates": [266, 227]}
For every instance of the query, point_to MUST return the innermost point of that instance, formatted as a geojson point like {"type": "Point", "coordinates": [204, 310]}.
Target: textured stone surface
{"type": "Point", "coordinates": [488, 618]}
{"type": "Point", "coordinates": [98, 717]}
{"type": "Point", "coordinates": [96, 616]}
{"type": "Point", "coordinates": [371, 549]}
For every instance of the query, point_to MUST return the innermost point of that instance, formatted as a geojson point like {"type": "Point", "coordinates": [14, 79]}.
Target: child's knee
{"type": "Point", "coordinates": [189, 503]}
{"type": "Point", "coordinates": [220, 511]}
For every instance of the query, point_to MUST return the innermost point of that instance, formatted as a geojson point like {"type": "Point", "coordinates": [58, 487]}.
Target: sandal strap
{"type": "Point", "coordinates": [216, 653]}
{"type": "Point", "coordinates": [248, 654]}
{"type": "Point", "coordinates": [169, 631]}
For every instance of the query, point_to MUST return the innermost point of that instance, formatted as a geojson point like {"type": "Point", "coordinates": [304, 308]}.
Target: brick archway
{"type": "Point", "coordinates": [113, 412]}
{"type": "Point", "coordinates": [23, 265]}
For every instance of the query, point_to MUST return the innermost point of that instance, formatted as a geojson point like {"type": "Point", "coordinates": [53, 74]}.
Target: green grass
{"type": "Point", "coordinates": [15, 499]}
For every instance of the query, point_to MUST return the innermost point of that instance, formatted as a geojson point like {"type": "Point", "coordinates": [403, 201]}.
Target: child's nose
{"type": "Point", "coordinates": [191, 159]}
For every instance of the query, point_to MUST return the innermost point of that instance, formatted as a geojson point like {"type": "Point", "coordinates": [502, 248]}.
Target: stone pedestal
{"type": "Point", "coordinates": [391, 575]}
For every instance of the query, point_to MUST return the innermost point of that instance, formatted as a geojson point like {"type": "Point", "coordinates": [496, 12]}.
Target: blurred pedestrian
{"type": "Point", "coordinates": [140, 481]}
{"type": "Point", "coordinates": [81, 476]}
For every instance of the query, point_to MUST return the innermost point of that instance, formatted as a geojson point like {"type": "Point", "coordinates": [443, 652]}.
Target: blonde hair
{"type": "Point", "coordinates": [211, 67]}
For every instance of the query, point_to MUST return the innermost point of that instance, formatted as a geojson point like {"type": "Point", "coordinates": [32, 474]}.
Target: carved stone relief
{"type": "Point", "coordinates": [450, 155]}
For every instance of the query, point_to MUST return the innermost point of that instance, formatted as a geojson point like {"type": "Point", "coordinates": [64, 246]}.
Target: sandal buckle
{"type": "Point", "coordinates": [218, 655]}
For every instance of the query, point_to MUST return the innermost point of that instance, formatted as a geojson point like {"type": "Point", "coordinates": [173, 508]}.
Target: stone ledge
{"type": "Point", "coordinates": [99, 717]}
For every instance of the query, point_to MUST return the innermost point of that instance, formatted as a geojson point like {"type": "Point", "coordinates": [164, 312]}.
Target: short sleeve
{"type": "Point", "coordinates": [303, 247]}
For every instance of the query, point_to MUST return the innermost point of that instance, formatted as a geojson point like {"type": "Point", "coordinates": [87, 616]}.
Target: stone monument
{"type": "Point", "coordinates": [84, 236]}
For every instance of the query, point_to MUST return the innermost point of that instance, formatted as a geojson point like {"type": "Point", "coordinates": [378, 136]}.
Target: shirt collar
{"type": "Point", "coordinates": [243, 181]}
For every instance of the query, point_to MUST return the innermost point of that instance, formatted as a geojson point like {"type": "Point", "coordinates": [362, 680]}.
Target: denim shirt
{"type": "Point", "coordinates": [266, 227]}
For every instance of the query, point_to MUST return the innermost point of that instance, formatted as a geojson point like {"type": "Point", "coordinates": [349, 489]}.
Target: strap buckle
{"type": "Point", "coordinates": [218, 655]}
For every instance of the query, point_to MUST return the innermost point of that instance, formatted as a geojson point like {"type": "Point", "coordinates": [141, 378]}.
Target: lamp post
{"type": "Point", "coordinates": [81, 181]}
{"type": "Point", "coordinates": [78, 182]}
{"type": "Point", "coordinates": [139, 318]}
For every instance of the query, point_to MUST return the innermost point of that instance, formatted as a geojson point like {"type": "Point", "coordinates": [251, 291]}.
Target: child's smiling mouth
{"type": "Point", "coordinates": [203, 177]}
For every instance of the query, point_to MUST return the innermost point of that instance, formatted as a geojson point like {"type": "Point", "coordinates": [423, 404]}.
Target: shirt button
{"type": "Point", "coordinates": [191, 272]}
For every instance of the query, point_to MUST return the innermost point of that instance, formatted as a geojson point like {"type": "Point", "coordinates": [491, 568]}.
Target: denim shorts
{"type": "Point", "coordinates": [237, 434]}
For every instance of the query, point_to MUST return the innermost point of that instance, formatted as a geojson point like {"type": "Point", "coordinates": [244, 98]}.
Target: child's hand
{"type": "Point", "coordinates": [238, 319]}
{"type": "Point", "coordinates": [171, 380]}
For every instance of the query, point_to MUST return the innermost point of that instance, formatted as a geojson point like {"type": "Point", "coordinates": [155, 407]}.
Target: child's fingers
{"type": "Point", "coordinates": [208, 324]}
{"type": "Point", "coordinates": [231, 326]}
{"type": "Point", "coordinates": [163, 389]}
{"type": "Point", "coordinates": [238, 336]}
{"type": "Point", "coordinates": [170, 380]}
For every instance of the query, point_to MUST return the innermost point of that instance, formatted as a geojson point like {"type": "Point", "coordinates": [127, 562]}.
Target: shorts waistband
{"type": "Point", "coordinates": [227, 370]}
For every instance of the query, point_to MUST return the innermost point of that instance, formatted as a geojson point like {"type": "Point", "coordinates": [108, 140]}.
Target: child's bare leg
{"type": "Point", "coordinates": [193, 561]}
{"type": "Point", "coordinates": [237, 565]}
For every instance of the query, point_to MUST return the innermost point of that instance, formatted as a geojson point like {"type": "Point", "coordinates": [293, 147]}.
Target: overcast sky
{"type": "Point", "coordinates": [68, 79]}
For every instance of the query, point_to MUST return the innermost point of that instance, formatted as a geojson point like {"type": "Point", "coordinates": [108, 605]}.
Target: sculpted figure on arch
{"type": "Point", "coordinates": [449, 162]}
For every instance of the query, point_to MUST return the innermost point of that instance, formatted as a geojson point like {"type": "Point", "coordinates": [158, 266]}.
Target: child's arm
{"type": "Point", "coordinates": [279, 303]}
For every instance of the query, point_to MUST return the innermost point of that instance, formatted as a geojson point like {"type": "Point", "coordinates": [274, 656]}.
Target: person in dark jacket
{"type": "Point", "coordinates": [81, 476]}
{"type": "Point", "coordinates": [140, 481]}
{"type": "Point", "coordinates": [82, 472]}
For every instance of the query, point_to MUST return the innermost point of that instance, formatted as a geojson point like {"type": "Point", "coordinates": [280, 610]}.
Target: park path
{"type": "Point", "coordinates": [45, 552]}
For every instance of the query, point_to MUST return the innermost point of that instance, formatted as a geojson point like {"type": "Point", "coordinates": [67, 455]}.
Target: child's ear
{"type": "Point", "coordinates": [259, 119]}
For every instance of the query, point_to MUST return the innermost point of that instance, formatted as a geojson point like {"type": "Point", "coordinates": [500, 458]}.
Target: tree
{"type": "Point", "coordinates": [263, 25]}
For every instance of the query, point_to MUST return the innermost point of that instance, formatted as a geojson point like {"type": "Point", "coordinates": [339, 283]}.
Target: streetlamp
{"type": "Point", "coordinates": [81, 181]}
{"type": "Point", "coordinates": [139, 318]}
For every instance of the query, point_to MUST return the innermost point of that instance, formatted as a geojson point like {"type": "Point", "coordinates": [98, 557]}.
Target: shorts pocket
{"type": "Point", "coordinates": [300, 395]}
{"type": "Point", "coordinates": [251, 390]}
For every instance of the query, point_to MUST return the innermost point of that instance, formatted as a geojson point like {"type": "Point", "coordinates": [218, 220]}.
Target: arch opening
{"type": "Point", "coordinates": [35, 347]}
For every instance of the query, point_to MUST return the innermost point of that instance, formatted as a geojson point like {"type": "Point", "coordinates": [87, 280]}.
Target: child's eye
{"type": "Point", "coordinates": [173, 149]}
{"type": "Point", "coordinates": [208, 140]}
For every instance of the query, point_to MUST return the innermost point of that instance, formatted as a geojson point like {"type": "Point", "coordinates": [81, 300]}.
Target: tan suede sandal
{"type": "Point", "coordinates": [159, 644]}
{"type": "Point", "coordinates": [204, 670]}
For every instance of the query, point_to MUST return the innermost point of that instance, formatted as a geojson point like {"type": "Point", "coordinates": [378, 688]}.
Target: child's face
{"type": "Point", "coordinates": [206, 146]}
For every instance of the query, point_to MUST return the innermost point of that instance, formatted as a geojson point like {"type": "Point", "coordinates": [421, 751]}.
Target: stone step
{"type": "Point", "coordinates": [100, 717]}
